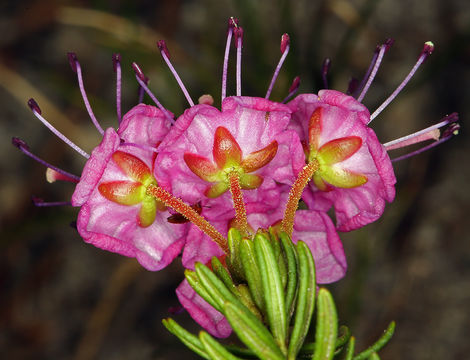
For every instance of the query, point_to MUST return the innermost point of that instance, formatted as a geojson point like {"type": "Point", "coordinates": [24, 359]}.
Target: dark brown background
{"type": "Point", "coordinates": [61, 298]}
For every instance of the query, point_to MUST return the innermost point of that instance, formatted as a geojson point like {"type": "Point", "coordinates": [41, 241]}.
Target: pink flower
{"type": "Point", "coordinates": [116, 212]}
{"type": "Point", "coordinates": [355, 174]}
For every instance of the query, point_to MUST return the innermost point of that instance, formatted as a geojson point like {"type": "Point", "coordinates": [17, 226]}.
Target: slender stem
{"type": "Point", "coordinates": [117, 68]}
{"type": "Point", "coordinates": [295, 193]}
{"type": "Point", "coordinates": [238, 203]}
{"type": "Point", "coordinates": [189, 213]}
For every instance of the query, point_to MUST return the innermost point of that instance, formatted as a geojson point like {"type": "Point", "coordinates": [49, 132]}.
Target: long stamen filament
{"type": "Point", "coordinates": [295, 193]}
{"type": "Point", "coordinates": [231, 24]}
{"type": "Point", "coordinates": [378, 61]}
{"type": "Point", "coordinates": [189, 213]}
{"type": "Point", "coordinates": [141, 79]}
{"type": "Point", "coordinates": [428, 48]}
{"type": "Point", "coordinates": [20, 144]}
{"type": "Point", "coordinates": [285, 46]}
{"type": "Point", "coordinates": [41, 203]}
{"type": "Point", "coordinates": [77, 68]}
{"type": "Point", "coordinates": [239, 43]}
{"type": "Point", "coordinates": [166, 56]}
{"type": "Point", "coordinates": [238, 203]}
{"type": "Point", "coordinates": [117, 69]}
{"type": "Point", "coordinates": [422, 135]}
{"type": "Point", "coordinates": [37, 112]}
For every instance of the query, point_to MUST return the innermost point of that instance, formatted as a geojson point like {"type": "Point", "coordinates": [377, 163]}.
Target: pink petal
{"type": "Point", "coordinates": [203, 313]}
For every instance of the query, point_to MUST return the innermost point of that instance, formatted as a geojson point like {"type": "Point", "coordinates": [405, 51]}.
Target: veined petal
{"type": "Point", "coordinates": [123, 192]}
{"type": "Point", "coordinates": [132, 166]}
{"type": "Point", "coordinates": [259, 158]}
{"type": "Point", "coordinates": [217, 189]}
{"type": "Point", "coordinates": [201, 166]}
{"type": "Point", "coordinates": [250, 181]}
{"type": "Point", "coordinates": [148, 211]}
{"type": "Point", "coordinates": [338, 150]}
{"type": "Point", "coordinates": [314, 128]}
{"type": "Point", "coordinates": [226, 148]}
{"type": "Point", "coordinates": [342, 178]}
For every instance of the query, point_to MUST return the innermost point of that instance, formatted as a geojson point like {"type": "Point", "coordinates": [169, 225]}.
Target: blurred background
{"type": "Point", "coordinates": [63, 299]}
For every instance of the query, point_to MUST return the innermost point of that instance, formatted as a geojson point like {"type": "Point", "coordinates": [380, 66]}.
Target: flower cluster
{"type": "Point", "coordinates": [162, 185]}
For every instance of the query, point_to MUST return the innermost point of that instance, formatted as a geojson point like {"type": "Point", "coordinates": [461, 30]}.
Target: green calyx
{"type": "Point", "coordinates": [267, 292]}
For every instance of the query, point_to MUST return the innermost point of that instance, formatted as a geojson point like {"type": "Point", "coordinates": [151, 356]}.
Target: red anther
{"type": "Point", "coordinates": [116, 61]}
{"type": "Point", "coordinates": [20, 144]}
{"type": "Point", "coordinates": [238, 32]}
{"type": "Point", "coordinates": [388, 43]}
{"type": "Point", "coordinates": [161, 44]}
{"type": "Point", "coordinates": [295, 84]}
{"type": "Point", "coordinates": [34, 106]}
{"type": "Point", "coordinates": [428, 48]}
{"type": "Point", "coordinates": [285, 42]}
{"type": "Point", "coordinates": [139, 72]}
{"type": "Point", "coordinates": [73, 60]}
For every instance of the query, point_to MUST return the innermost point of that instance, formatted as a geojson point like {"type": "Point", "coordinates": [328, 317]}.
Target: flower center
{"type": "Point", "coordinates": [329, 157]}
{"type": "Point", "coordinates": [228, 159]}
{"type": "Point", "coordinates": [133, 191]}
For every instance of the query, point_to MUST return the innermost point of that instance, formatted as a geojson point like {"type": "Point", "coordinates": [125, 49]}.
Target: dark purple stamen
{"type": "Point", "coordinates": [324, 71]}
{"type": "Point", "coordinates": [23, 146]}
{"type": "Point", "coordinates": [34, 106]}
{"type": "Point", "coordinates": [352, 86]}
{"type": "Point", "coordinates": [143, 80]}
{"type": "Point", "coordinates": [161, 44]}
{"type": "Point", "coordinates": [293, 89]}
{"type": "Point", "coordinates": [73, 61]}
{"type": "Point", "coordinates": [117, 70]}
{"type": "Point", "coordinates": [41, 203]}
{"type": "Point", "coordinates": [37, 112]}
{"type": "Point", "coordinates": [285, 45]}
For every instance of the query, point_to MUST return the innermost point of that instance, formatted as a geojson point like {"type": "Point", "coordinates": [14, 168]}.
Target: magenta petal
{"type": "Point", "coordinates": [200, 247]}
{"type": "Point", "coordinates": [203, 313]}
{"type": "Point", "coordinates": [144, 125]}
{"type": "Point", "coordinates": [339, 99]}
{"type": "Point", "coordinates": [95, 167]}
{"type": "Point", "coordinates": [316, 229]}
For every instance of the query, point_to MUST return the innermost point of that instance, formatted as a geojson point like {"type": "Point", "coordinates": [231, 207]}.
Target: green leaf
{"type": "Point", "coordinates": [252, 272]}
{"type": "Point", "coordinates": [350, 348]}
{"type": "Point", "coordinates": [252, 332]}
{"type": "Point", "coordinates": [214, 349]}
{"type": "Point", "coordinates": [186, 337]}
{"type": "Point", "coordinates": [219, 269]}
{"type": "Point", "coordinates": [308, 349]}
{"type": "Point", "coordinates": [214, 286]}
{"type": "Point", "coordinates": [327, 326]}
{"type": "Point", "coordinates": [305, 300]}
{"type": "Point", "coordinates": [290, 254]}
{"type": "Point", "coordinates": [379, 344]}
{"type": "Point", "coordinates": [234, 260]}
{"type": "Point", "coordinates": [247, 300]}
{"type": "Point", "coordinates": [274, 296]}
{"type": "Point", "coordinates": [344, 337]}
{"type": "Point", "coordinates": [374, 356]}
{"type": "Point", "coordinates": [194, 282]}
